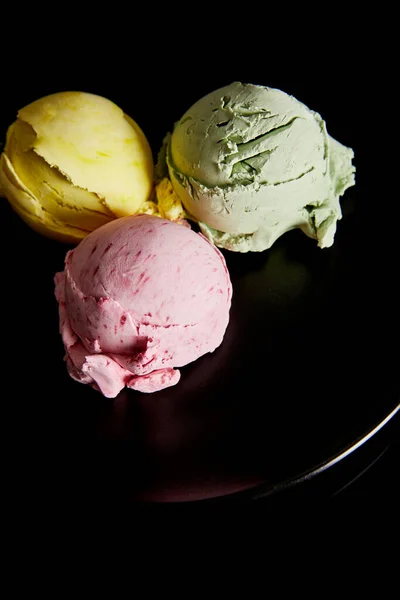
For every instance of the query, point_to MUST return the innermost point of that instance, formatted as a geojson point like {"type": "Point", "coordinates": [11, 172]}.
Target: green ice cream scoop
{"type": "Point", "coordinates": [250, 162]}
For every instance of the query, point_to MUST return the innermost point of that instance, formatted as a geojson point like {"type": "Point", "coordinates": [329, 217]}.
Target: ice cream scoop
{"type": "Point", "coordinates": [250, 163]}
{"type": "Point", "coordinates": [139, 297]}
{"type": "Point", "coordinates": [74, 161]}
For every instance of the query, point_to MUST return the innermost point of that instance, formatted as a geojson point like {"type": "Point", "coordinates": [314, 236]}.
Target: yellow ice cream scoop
{"type": "Point", "coordinates": [74, 161]}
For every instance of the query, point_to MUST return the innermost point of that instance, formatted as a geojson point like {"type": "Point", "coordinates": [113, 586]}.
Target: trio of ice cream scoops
{"type": "Point", "coordinates": [142, 293]}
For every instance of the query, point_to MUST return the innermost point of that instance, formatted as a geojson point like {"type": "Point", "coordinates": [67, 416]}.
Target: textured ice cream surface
{"type": "Point", "coordinates": [250, 163]}
{"type": "Point", "coordinates": [74, 161]}
{"type": "Point", "coordinates": [139, 297]}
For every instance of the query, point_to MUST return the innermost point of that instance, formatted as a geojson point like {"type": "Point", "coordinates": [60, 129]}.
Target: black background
{"type": "Point", "coordinates": [313, 364]}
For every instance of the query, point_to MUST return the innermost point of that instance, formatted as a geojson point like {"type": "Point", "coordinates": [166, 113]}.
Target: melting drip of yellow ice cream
{"type": "Point", "coordinates": [74, 161]}
{"type": "Point", "coordinates": [168, 204]}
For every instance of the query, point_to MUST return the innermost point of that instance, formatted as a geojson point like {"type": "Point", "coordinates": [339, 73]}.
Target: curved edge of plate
{"type": "Point", "coordinates": [259, 492]}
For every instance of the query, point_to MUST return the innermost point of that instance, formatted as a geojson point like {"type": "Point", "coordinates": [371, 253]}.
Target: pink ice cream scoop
{"type": "Point", "coordinates": [137, 298]}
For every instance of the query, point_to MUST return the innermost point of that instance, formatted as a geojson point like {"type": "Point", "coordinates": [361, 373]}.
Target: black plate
{"type": "Point", "coordinates": [306, 372]}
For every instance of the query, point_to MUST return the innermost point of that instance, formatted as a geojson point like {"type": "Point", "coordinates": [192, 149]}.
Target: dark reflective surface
{"type": "Point", "coordinates": [305, 370]}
